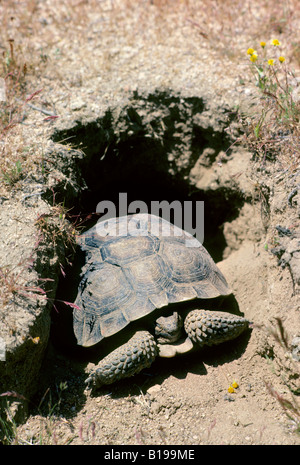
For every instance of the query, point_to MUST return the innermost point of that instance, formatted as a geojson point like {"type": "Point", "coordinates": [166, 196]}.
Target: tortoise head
{"type": "Point", "coordinates": [168, 329]}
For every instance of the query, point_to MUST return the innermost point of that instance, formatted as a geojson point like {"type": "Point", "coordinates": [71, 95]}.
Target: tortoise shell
{"type": "Point", "coordinates": [136, 264]}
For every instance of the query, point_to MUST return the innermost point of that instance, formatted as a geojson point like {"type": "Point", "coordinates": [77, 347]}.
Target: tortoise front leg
{"type": "Point", "coordinates": [125, 361]}
{"type": "Point", "coordinates": [205, 327]}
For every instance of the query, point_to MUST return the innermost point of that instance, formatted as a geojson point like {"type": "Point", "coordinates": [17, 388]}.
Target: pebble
{"type": "Point", "coordinates": [154, 389]}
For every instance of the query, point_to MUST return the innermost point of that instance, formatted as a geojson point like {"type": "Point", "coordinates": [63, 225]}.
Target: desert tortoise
{"type": "Point", "coordinates": [141, 271]}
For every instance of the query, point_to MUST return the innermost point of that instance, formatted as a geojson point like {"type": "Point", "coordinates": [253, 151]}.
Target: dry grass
{"type": "Point", "coordinates": [55, 227]}
{"type": "Point", "coordinates": [11, 285]}
{"type": "Point", "coordinates": [286, 367]}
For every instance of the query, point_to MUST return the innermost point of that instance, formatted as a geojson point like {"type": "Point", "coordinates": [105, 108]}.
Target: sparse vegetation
{"type": "Point", "coordinates": [286, 367]}
{"type": "Point", "coordinates": [55, 228]}
{"type": "Point", "coordinates": [11, 286]}
{"type": "Point", "coordinates": [47, 434]}
{"type": "Point", "coordinates": [272, 132]}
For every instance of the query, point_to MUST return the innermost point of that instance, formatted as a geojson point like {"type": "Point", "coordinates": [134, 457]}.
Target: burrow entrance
{"type": "Point", "coordinates": [147, 150]}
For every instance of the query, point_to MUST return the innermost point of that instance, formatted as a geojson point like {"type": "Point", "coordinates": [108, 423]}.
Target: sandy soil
{"type": "Point", "coordinates": [185, 401]}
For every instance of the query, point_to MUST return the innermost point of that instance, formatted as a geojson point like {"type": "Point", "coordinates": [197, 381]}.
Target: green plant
{"type": "Point", "coordinates": [13, 175]}
{"type": "Point", "coordinates": [49, 421]}
{"type": "Point", "coordinates": [8, 425]}
{"type": "Point", "coordinates": [273, 128]}
{"type": "Point", "coordinates": [275, 81]}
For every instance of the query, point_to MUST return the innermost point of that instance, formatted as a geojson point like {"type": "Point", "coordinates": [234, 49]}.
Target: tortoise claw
{"type": "Point", "coordinates": [90, 382]}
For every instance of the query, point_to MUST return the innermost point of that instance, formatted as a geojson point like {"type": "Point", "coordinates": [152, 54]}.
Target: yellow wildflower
{"type": "Point", "coordinates": [281, 59]}
{"type": "Point", "coordinates": [230, 389]}
{"type": "Point", "coordinates": [36, 340]}
{"type": "Point", "coordinates": [250, 51]}
{"type": "Point", "coordinates": [254, 57]}
{"type": "Point", "coordinates": [271, 62]}
{"type": "Point", "coordinates": [275, 42]}
{"type": "Point", "coordinates": [263, 44]}
{"type": "Point", "coordinates": [235, 384]}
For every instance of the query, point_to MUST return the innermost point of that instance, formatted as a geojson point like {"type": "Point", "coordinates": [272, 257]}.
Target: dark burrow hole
{"type": "Point", "coordinates": [140, 151]}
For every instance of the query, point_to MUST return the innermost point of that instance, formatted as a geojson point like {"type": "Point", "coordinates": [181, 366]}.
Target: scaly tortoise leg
{"type": "Point", "coordinates": [205, 327]}
{"type": "Point", "coordinates": [127, 360]}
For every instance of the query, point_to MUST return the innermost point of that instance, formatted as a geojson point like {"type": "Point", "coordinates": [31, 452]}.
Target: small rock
{"type": "Point", "coordinates": [154, 389]}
